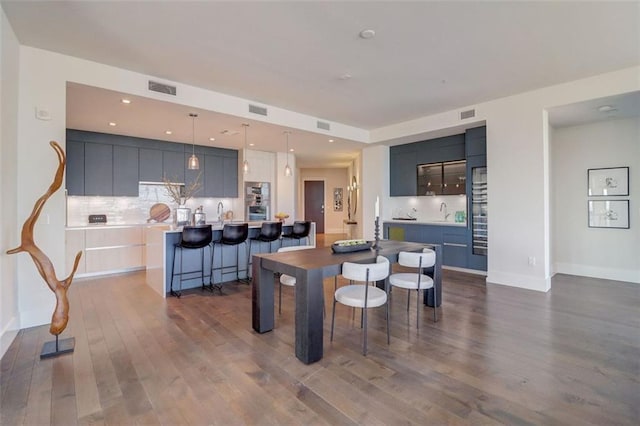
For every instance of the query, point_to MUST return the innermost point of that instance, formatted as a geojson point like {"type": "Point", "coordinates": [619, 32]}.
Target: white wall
{"type": "Point", "coordinates": [374, 183]}
{"type": "Point", "coordinates": [9, 233]}
{"type": "Point", "coordinates": [580, 250]}
{"type": "Point", "coordinates": [286, 195]}
{"type": "Point", "coordinates": [518, 170]}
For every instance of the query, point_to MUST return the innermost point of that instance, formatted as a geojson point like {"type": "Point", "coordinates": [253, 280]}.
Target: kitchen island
{"type": "Point", "coordinates": [161, 245]}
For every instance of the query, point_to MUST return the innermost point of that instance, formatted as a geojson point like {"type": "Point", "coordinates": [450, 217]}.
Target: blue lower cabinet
{"type": "Point", "coordinates": [454, 241]}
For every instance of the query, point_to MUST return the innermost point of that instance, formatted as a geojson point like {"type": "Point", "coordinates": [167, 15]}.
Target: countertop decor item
{"type": "Point", "coordinates": [159, 212]}
{"type": "Point", "coordinates": [348, 246]}
{"type": "Point", "coordinates": [179, 192]}
{"type": "Point", "coordinates": [60, 316]}
{"type": "Point", "coordinates": [281, 216]}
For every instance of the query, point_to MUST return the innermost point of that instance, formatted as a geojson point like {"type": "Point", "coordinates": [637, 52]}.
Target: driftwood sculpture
{"type": "Point", "coordinates": [60, 315]}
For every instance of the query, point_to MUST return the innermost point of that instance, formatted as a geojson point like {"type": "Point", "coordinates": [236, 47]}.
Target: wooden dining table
{"type": "Point", "coordinates": [310, 267]}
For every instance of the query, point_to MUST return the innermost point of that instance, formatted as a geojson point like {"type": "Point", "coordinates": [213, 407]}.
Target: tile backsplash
{"type": "Point", "coordinates": [135, 210]}
{"type": "Point", "coordinates": [426, 208]}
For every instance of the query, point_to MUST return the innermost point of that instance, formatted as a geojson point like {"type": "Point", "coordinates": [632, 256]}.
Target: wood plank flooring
{"type": "Point", "coordinates": [497, 355]}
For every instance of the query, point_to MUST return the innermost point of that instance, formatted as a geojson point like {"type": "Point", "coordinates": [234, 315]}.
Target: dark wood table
{"type": "Point", "coordinates": [310, 267]}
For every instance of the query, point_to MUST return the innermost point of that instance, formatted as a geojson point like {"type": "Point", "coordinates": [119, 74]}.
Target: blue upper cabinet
{"type": "Point", "coordinates": [405, 159]}
{"type": "Point", "coordinates": [113, 165]}
{"type": "Point", "coordinates": [75, 168]}
{"type": "Point", "coordinates": [475, 141]}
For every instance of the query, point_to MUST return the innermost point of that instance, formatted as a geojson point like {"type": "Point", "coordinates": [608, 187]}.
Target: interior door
{"type": "Point", "coordinates": [314, 203]}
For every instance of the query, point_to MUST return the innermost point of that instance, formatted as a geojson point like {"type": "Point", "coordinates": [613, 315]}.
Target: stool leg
{"type": "Point", "coordinates": [181, 270]}
{"type": "Point", "coordinates": [418, 309]}
{"type": "Point", "coordinates": [333, 316]}
{"type": "Point", "coordinates": [173, 265]}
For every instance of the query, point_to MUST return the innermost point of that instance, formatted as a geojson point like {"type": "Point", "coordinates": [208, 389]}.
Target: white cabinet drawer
{"type": "Point", "coordinates": [113, 237]}
{"type": "Point", "coordinates": [114, 259]}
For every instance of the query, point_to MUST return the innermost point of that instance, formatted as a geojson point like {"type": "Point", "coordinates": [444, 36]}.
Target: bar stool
{"type": "Point", "coordinates": [364, 295]}
{"type": "Point", "coordinates": [192, 237]}
{"type": "Point", "coordinates": [233, 234]}
{"type": "Point", "coordinates": [269, 232]}
{"type": "Point", "coordinates": [299, 231]}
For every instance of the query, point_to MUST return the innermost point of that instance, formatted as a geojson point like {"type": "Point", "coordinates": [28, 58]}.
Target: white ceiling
{"type": "Point", "coordinates": [426, 57]}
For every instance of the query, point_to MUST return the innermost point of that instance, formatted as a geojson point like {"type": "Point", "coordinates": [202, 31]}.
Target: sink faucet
{"type": "Point", "coordinates": [444, 206]}
{"type": "Point", "coordinates": [220, 210]}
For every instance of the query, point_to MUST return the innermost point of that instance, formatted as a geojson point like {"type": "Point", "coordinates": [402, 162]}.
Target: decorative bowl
{"type": "Point", "coordinates": [348, 246]}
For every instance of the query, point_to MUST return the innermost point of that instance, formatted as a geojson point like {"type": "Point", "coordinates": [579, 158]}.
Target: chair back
{"type": "Point", "coordinates": [194, 237]}
{"type": "Point", "coordinates": [426, 259]}
{"type": "Point", "coordinates": [294, 248]}
{"type": "Point", "coordinates": [235, 233]}
{"type": "Point", "coordinates": [270, 231]}
{"type": "Point", "coordinates": [301, 229]}
{"type": "Point", "coordinates": [366, 271]}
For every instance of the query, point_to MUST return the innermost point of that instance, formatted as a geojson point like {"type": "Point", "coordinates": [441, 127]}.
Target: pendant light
{"type": "Point", "coordinates": [193, 163]}
{"type": "Point", "coordinates": [245, 163]}
{"type": "Point", "coordinates": [287, 168]}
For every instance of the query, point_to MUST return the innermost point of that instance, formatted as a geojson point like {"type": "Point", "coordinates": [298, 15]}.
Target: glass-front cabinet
{"type": "Point", "coordinates": [479, 210]}
{"type": "Point", "coordinates": [443, 178]}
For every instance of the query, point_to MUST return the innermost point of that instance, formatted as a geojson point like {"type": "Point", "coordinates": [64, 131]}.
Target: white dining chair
{"type": "Point", "coordinates": [285, 279]}
{"type": "Point", "coordinates": [416, 280]}
{"type": "Point", "coordinates": [363, 296]}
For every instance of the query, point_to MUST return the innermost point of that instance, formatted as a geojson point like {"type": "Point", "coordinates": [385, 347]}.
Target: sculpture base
{"type": "Point", "coordinates": [58, 347]}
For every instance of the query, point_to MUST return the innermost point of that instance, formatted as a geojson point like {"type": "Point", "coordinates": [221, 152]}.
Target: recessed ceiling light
{"type": "Point", "coordinates": [212, 139]}
{"type": "Point", "coordinates": [112, 124]}
{"type": "Point", "coordinates": [330, 140]}
{"type": "Point", "coordinates": [606, 108]}
{"type": "Point", "coordinates": [345, 76]}
{"type": "Point", "coordinates": [125, 101]}
{"type": "Point", "coordinates": [366, 34]}
{"type": "Point", "coordinates": [291, 149]}
{"type": "Point", "coordinates": [168, 132]}
{"type": "Point", "coordinates": [252, 144]}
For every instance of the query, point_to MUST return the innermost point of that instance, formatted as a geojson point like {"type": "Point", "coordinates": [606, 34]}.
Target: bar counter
{"type": "Point", "coordinates": [161, 242]}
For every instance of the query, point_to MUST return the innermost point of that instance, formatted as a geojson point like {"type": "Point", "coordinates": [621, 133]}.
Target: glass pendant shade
{"type": "Point", "coordinates": [193, 163]}
{"type": "Point", "coordinates": [287, 168]}
{"type": "Point", "coordinates": [245, 163]}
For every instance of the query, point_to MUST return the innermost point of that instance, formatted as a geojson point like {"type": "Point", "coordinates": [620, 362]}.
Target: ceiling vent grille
{"type": "Point", "coordinates": [258, 110]}
{"type": "Point", "coordinates": [324, 125]}
{"type": "Point", "coordinates": [467, 114]}
{"type": "Point", "coordinates": [154, 86]}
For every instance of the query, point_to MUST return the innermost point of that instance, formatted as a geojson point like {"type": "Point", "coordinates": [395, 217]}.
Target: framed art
{"type": "Point", "coordinates": [608, 181]}
{"type": "Point", "coordinates": [609, 214]}
{"type": "Point", "coordinates": [337, 199]}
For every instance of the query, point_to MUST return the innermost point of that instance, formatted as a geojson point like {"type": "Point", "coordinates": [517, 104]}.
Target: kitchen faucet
{"type": "Point", "coordinates": [220, 210]}
{"type": "Point", "coordinates": [444, 206]}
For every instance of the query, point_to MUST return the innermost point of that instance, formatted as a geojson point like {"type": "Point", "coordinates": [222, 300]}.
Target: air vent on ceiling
{"type": "Point", "coordinates": [467, 114]}
{"type": "Point", "coordinates": [324, 125]}
{"type": "Point", "coordinates": [257, 110]}
{"type": "Point", "coordinates": [162, 88]}
{"type": "Point", "coordinates": [227, 132]}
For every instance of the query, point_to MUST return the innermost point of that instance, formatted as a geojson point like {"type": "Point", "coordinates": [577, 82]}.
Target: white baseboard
{"type": "Point", "coordinates": [627, 275]}
{"type": "Point", "coordinates": [9, 333]}
{"type": "Point", "coordinates": [520, 281]}
{"type": "Point", "coordinates": [468, 271]}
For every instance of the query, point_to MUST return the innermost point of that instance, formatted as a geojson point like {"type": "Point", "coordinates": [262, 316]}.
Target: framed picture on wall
{"type": "Point", "coordinates": [608, 181]}
{"type": "Point", "coordinates": [609, 214]}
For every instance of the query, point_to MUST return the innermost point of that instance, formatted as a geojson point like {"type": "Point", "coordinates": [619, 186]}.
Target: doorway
{"type": "Point", "coordinates": [314, 203]}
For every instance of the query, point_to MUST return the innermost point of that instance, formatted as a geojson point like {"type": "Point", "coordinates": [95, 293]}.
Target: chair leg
{"type": "Point", "coordinates": [418, 309]}
{"type": "Point", "coordinates": [388, 334]}
{"type": "Point", "coordinates": [435, 304]}
{"type": "Point", "coordinates": [333, 317]}
{"type": "Point", "coordinates": [408, 298]}
{"type": "Point", "coordinates": [364, 347]}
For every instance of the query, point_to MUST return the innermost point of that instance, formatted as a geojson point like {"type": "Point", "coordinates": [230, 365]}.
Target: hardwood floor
{"type": "Point", "coordinates": [497, 355]}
